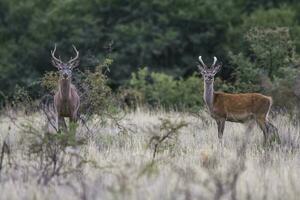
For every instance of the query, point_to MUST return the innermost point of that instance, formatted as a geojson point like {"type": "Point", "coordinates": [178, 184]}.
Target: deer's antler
{"type": "Point", "coordinates": [55, 61]}
{"type": "Point", "coordinates": [201, 61]}
{"type": "Point", "coordinates": [74, 61]}
{"type": "Point", "coordinates": [214, 63]}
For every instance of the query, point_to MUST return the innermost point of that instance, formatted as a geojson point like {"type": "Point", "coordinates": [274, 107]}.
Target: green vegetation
{"type": "Point", "coordinates": [92, 85]}
{"type": "Point", "coordinates": [258, 42]}
{"type": "Point", "coordinates": [135, 56]}
{"type": "Point", "coordinates": [103, 164]}
{"type": "Point", "coordinates": [159, 89]}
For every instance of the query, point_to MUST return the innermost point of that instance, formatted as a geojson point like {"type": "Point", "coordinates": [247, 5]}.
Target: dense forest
{"type": "Point", "coordinates": [154, 44]}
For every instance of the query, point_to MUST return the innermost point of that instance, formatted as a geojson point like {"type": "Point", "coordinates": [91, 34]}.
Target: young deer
{"type": "Point", "coordinates": [235, 107]}
{"type": "Point", "coordinates": [66, 99]}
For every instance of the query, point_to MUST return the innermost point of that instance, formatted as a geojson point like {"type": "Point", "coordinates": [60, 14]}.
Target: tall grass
{"type": "Point", "coordinates": [120, 165]}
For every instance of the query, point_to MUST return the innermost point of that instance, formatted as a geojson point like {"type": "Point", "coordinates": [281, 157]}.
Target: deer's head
{"type": "Point", "coordinates": [209, 73]}
{"type": "Point", "coordinates": [65, 68]}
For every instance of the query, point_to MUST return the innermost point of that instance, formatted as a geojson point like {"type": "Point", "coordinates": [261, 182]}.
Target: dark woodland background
{"type": "Point", "coordinates": [152, 46]}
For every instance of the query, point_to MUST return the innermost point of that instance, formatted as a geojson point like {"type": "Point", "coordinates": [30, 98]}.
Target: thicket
{"type": "Point", "coordinates": [156, 89]}
{"type": "Point", "coordinates": [268, 64]}
{"type": "Point", "coordinates": [96, 97]}
{"type": "Point", "coordinates": [52, 153]}
{"type": "Point", "coordinates": [258, 42]}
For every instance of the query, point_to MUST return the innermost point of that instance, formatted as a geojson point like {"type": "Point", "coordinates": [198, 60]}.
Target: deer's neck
{"type": "Point", "coordinates": [208, 95]}
{"type": "Point", "coordinates": [65, 88]}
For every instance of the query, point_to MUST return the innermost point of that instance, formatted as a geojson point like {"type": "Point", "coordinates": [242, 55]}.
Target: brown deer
{"type": "Point", "coordinates": [235, 107]}
{"type": "Point", "coordinates": [66, 99]}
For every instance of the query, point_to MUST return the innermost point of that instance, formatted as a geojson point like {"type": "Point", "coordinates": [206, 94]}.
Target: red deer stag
{"type": "Point", "coordinates": [235, 107]}
{"type": "Point", "coordinates": [66, 99]}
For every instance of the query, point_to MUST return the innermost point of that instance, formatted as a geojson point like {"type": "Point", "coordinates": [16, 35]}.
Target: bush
{"type": "Point", "coordinates": [95, 95]}
{"type": "Point", "coordinates": [268, 64]}
{"type": "Point", "coordinates": [159, 89]}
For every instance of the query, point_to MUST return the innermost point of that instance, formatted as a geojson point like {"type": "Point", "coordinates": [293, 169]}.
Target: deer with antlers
{"type": "Point", "coordinates": [66, 99]}
{"type": "Point", "coordinates": [235, 107]}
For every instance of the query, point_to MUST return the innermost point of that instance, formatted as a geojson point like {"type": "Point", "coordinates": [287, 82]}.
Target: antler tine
{"type": "Point", "coordinates": [76, 57]}
{"type": "Point", "coordinates": [201, 61]}
{"type": "Point", "coordinates": [53, 51]}
{"type": "Point", "coordinates": [53, 55]}
{"type": "Point", "coordinates": [214, 63]}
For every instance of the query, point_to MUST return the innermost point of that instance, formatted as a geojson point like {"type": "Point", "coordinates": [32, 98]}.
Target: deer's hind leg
{"type": "Point", "coordinates": [272, 129]}
{"type": "Point", "coordinates": [221, 126]}
{"type": "Point", "coordinates": [262, 123]}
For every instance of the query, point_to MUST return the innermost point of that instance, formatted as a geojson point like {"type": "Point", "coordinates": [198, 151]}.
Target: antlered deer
{"type": "Point", "coordinates": [66, 99]}
{"type": "Point", "coordinates": [235, 107]}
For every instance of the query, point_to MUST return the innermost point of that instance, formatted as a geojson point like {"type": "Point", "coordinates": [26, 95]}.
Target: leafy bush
{"type": "Point", "coordinates": [95, 95]}
{"type": "Point", "coordinates": [159, 89]}
{"type": "Point", "coordinates": [283, 16]}
{"type": "Point", "coordinates": [267, 66]}
{"type": "Point", "coordinates": [49, 81]}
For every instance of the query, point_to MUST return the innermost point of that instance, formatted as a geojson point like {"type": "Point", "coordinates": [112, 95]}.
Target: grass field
{"type": "Point", "coordinates": [192, 164]}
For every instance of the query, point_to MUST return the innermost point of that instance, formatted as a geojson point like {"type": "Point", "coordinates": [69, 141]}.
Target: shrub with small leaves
{"type": "Point", "coordinates": [168, 130]}
{"type": "Point", "coordinates": [49, 81]}
{"type": "Point", "coordinates": [159, 89]}
{"type": "Point", "coordinates": [268, 65]}
{"type": "Point", "coordinates": [95, 95]}
{"type": "Point", "coordinates": [56, 154]}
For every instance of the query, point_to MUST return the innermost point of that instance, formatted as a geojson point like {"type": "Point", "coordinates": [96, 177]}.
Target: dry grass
{"type": "Point", "coordinates": [193, 166]}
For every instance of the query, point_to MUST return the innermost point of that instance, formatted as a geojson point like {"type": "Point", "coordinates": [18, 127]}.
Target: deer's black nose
{"type": "Point", "coordinates": [65, 75]}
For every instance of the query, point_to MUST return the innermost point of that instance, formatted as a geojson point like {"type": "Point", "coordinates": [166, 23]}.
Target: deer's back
{"type": "Point", "coordinates": [241, 106]}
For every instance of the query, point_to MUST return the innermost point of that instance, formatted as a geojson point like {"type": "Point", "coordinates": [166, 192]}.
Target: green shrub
{"type": "Point", "coordinates": [159, 89]}
{"type": "Point", "coordinates": [95, 95]}
{"type": "Point", "coordinates": [268, 64]}
{"type": "Point", "coordinates": [49, 81]}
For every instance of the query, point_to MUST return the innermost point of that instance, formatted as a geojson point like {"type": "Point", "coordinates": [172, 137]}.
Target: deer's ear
{"type": "Point", "coordinates": [217, 68]}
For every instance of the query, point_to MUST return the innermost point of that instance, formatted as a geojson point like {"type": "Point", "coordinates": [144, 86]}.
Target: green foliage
{"type": "Point", "coordinates": [267, 66]}
{"type": "Point", "coordinates": [190, 92]}
{"type": "Point", "coordinates": [284, 16]}
{"type": "Point", "coordinates": [50, 81]}
{"type": "Point", "coordinates": [166, 35]}
{"type": "Point", "coordinates": [95, 94]}
{"type": "Point", "coordinates": [283, 92]}
{"type": "Point", "coordinates": [21, 96]}
{"type": "Point", "coordinates": [271, 56]}
{"type": "Point", "coordinates": [159, 89]}
{"type": "Point", "coordinates": [19, 101]}
{"type": "Point", "coordinates": [156, 33]}
{"type": "Point", "coordinates": [263, 55]}
{"type": "Point", "coordinates": [275, 17]}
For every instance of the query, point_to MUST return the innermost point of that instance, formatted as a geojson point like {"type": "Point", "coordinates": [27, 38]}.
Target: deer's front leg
{"type": "Point", "coordinates": [74, 117]}
{"type": "Point", "coordinates": [73, 123]}
{"type": "Point", "coordinates": [62, 124]}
